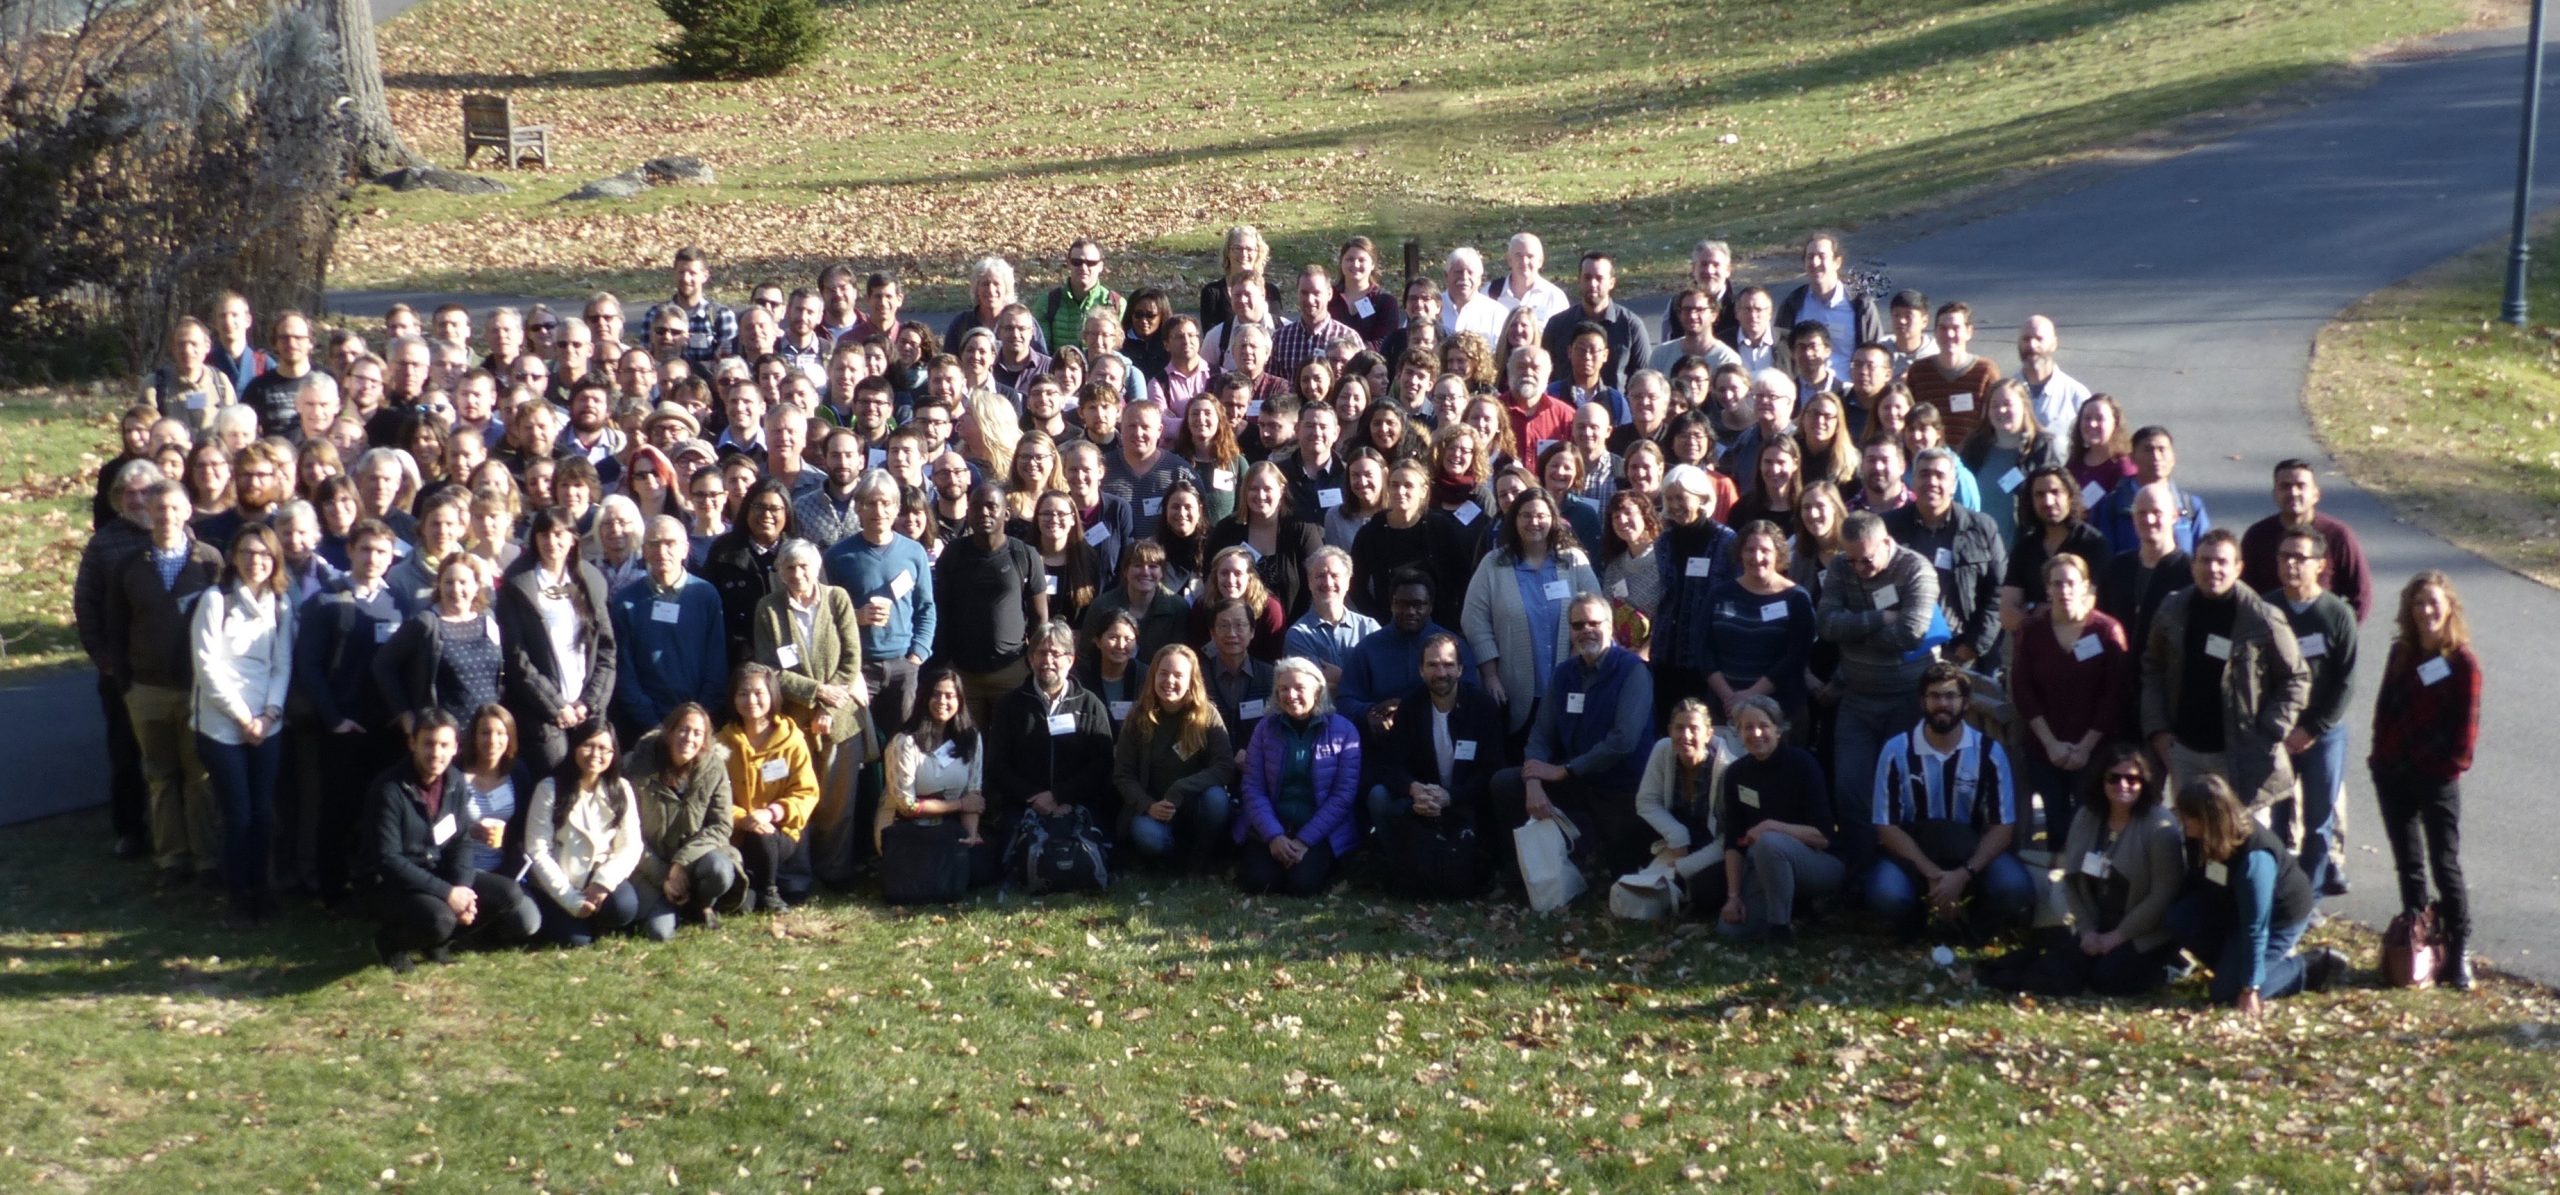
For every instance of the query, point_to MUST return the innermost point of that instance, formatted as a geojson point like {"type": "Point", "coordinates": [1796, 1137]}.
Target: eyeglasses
{"type": "Point", "coordinates": [1588, 624]}
{"type": "Point", "coordinates": [2296, 557]}
{"type": "Point", "coordinates": [2125, 779]}
{"type": "Point", "coordinates": [541, 327]}
{"type": "Point", "coordinates": [1084, 261]}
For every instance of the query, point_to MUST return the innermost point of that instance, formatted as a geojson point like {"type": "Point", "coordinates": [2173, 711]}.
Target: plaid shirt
{"type": "Point", "coordinates": [1297, 343]}
{"type": "Point", "coordinates": [2425, 728]}
{"type": "Point", "coordinates": [710, 329]}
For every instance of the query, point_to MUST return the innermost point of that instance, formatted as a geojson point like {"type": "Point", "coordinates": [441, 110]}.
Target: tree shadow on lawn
{"type": "Point", "coordinates": [1746, 210]}
{"type": "Point", "coordinates": [78, 922]}
{"type": "Point", "coordinates": [559, 80]}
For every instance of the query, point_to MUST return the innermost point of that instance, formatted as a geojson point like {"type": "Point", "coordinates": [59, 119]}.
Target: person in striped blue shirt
{"type": "Point", "coordinates": [1946, 812]}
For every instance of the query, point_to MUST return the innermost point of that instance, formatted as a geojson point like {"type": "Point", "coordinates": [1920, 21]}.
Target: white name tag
{"type": "Point", "coordinates": [2215, 873]}
{"type": "Point", "coordinates": [1618, 588]}
{"type": "Point", "coordinates": [1463, 749]}
{"type": "Point", "coordinates": [1959, 403]}
{"type": "Point", "coordinates": [1558, 591]}
{"type": "Point", "coordinates": [195, 402]}
{"type": "Point", "coordinates": [2011, 480]}
{"type": "Point", "coordinates": [2095, 865]}
{"type": "Point", "coordinates": [2218, 646]}
{"type": "Point", "coordinates": [2090, 494]}
{"type": "Point", "coordinates": [2314, 646]}
{"type": "Point", "coordinates": [1945, 558]}
{"type": "Point", "coordinates": [1250, 710]}
{"type": "Point", "coordinates": [772, 770]}
{"type": "Point", "coordinates": [789, 654]}
{"type": "Point", "coordinates": [1222, 479]}
{"type": "Point", "coordinates": [1750, 797]}
{"type": "Point", "coordinates": [1152, 507]}
{"type": "Point", "coordinates": [1887, 598]}
{"type": "Point", "coordinates": [1573, 703]}
{"type": "Point", "coordinates": [382, 631]}
{"type": "Point", "coordinates": [1062, 724]}
{"type": "Point", "coordinates": [1469, 512]}
{"type": "Point", "coordinates": [1697, 566]}
{"type": "Point", "coordinates": [1366, 307]}
{"type": "Point", "coordinates": [664, 611]}
{"type": "Point", "coordinates": [444, 829]}
{"type": "Point", "coordinates": [1253, 408]}
{"type": "Point", "coordinates": [1120, 710]}
{"type": "Point", "coordinates": [2434, 670]}
{"type": "Point", "coordinates": [902, 585]}
{"type": "Point", "coordinates": [424, 593]}
{"type": "Point", "coordinates": [1329, 497]}
{"type": "Point", "coordinates": [878, 455]}
{"type": "Point", "coordinates": [2087, 648]}
{"type": "Point", "coordinates": [1774, 612]}
{"type": "Point", "coordinates": [1051, 584]}
{"type": "Point", "coordinates": [1097, 534]}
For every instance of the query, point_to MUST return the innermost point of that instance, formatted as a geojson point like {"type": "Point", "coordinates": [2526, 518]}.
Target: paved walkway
{"type": "Point", "coordinates": [2193, 288]}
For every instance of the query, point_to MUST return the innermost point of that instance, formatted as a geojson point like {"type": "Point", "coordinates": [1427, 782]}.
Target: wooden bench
{"type": "Point", "coordinates": [489, 122]}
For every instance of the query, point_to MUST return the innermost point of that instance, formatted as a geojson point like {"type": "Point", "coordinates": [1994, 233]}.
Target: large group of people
{"type": "Point", "coordinates": [552, 624]}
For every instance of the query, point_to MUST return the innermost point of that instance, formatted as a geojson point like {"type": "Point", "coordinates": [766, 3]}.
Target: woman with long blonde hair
{"type": "Point", "coordinates": [1175, 765]}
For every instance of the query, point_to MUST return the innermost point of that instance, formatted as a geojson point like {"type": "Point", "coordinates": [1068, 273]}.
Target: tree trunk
{"type": "Point", "coordinates": [378, 148]}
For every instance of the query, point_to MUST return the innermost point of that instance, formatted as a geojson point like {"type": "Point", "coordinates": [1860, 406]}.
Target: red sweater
{"type": "Point", "coordinates": [2427, 728]}
{"type": "Point", "coordinates": [2072, 695]}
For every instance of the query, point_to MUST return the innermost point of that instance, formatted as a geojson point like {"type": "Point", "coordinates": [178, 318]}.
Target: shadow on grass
{"type": "Point", "coordinates": [594, 79]}
{"type": "Point", "coordinates": [1747, 210]}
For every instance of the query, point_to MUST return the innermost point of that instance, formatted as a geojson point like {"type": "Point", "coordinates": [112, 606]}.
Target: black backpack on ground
{"type": "Point", "coordinates": [924, 865]}
{"type": "Point", "coordinates": [1060, 853]}
{"type": "Point", "coordinates": [1433, 858]}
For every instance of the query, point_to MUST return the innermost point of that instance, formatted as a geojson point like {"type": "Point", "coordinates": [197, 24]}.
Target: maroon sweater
{"type": "Point", "coordinates": [2072, 695]}
{"type": "Point", "coordinates": [2424, 728]}
{"type": "Point", "coordinates": [1931, 385]}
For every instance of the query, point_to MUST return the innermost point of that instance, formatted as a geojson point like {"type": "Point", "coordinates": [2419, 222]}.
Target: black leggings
{"type": "Point", "coordinates": [417, 921]}
{"type": "Point", "coordinates": [764, 854]}
{"type": "Point", "coordinates": [1258, 872]}
{"type": "Point", "coordinates": [2422, 809]}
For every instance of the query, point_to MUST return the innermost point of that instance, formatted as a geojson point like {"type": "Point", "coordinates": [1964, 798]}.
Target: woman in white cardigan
{"type": "Point", "coordinates": [582, 841]}
{"type": "Point", "coordinates": [244, 660]}
{"type": "Point", "coordinates": [1514, 616]}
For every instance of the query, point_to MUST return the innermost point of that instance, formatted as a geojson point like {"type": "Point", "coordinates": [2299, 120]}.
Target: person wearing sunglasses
{"type": "Point", "coordinates": [1078, 296]}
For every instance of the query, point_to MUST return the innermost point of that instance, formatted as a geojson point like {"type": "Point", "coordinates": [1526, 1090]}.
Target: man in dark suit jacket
{"type": "Point", "coordinates": [413, 858]}
{"type": "Point", "coordinates": [1414, 777]}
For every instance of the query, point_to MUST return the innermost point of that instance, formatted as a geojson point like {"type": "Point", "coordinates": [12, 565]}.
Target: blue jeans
{"type": "Point", "coordinates": [711, 878]}
{"type": "Point", "coordinates": [2001, 896]}
{"type": "Point", "coordinates": [1200, 817]}
{"type": "Point", "coordinates": [244, 789]}
{"type": "Point", "coordinates": [2321, 770]}
{"type": "Point", "coordinates": [564, 927]}
{"type": "Point", "coordinates": [1858, 736]}
{"type": "Point", "coordinates": [2210, 924]}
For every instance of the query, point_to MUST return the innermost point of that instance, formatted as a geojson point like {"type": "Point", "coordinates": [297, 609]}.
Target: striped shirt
{"type": "Point", "coordinates": [1971, 784]}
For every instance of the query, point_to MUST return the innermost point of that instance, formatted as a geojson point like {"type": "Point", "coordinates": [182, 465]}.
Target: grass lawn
{"type": "Point", "coordinates": [51, 444]}
{"type": "Point", "coordinates": [933, 133]}
{"type": "Point", "coordinates": [2451, 416]}
{"type": "Point", "coordinates": [1172, 1036]}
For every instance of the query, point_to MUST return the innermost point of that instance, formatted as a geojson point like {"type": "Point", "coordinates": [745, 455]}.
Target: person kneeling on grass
{"type": "Point", "coordinates": [1301, 777]}
{"type": "Point", "coordinates": [2122, 864]}
{"type": "Point", "coordinates": [582, 841]}
{"type": "Point", "coordinates": [2245, 905]}
{"type": "Point", "coordinates": [1946, 811]}
{"type": "Point", "coordinates": [413, 865]}
{"type": "Point", "coordinates": [1174, 765]}
{"type": "Point", "coordinates": [1588, 743]}
{"type": "Point", "coordinates": [1774, 806]}
{"type": "Point", "coordinates": [681, 781]}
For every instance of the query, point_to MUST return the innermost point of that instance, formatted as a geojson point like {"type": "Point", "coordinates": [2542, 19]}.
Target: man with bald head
{"type": "Point", "coordinates": [2057, 395]}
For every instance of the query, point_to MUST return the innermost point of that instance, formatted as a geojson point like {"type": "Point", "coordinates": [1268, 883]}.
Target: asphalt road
{"type": "Point", "coordinates": [2192, 287]}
